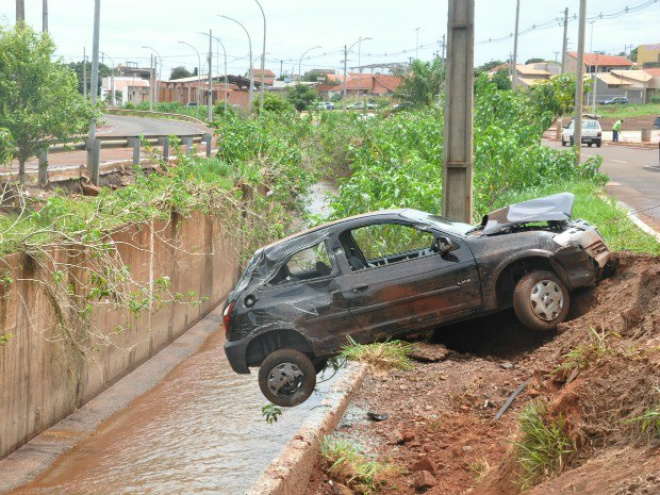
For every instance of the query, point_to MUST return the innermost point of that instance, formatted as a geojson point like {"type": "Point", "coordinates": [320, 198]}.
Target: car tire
{"type": "Point", "coordinates": [570, 141]}
{"type": "Point", "coordinates": [541, 301]}
{"type": "Point", "coordinates": [287, 377]}
{"type": "Point", "coordinates": [591, 143]}
{"type": "Point", "coordinates": [599, 143]}
{"type": "Point", "coordinates": [563, 143]}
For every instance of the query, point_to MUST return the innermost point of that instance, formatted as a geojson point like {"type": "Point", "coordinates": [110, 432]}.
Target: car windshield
{"type": "Point", "coordinates": [438, 222]}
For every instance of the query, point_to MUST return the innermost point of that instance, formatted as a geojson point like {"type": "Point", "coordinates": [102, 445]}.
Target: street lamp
{"type": "Point", "coordinates": [217, 40]}
{"type": "Point", "coordinates": [112, 79]}
{"type": "Point", "coordinates": [263, 60]}
{"type": "Point", "coordinates": [250, 73]}
{"type": "Point", "coordinates": [346, 52]}
{"type": "Point", "coordinates": [160, 68]}
{"type": "Point", "coordinates": [199, 72]}
{"type": "Point", "coordinates": [301, 59]}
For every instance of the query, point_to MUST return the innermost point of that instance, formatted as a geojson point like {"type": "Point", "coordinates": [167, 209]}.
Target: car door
{"type": "Point", "coordinates": [305, 296]}
{"type": "Point", "coordinates": [396, 279]}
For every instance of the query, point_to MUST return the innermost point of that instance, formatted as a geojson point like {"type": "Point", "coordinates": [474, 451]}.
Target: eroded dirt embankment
{"type": "Point", "coordinates": [597, 373]}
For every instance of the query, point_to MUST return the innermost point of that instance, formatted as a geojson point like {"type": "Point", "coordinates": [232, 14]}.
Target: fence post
{"type": "Point", "coordinates": [134, 142]}
{"type": "Point", "coordinates": [188, 143]}
{"type": "Point", "coordinates": [165, 143]}
{"type": "Point", "coordinates": [207, 138]}
{"type": "Point", "coordinates": [42, 177]}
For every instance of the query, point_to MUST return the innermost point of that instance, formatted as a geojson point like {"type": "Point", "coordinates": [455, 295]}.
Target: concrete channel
{"type": "Point", "coordinates": [182, 423]}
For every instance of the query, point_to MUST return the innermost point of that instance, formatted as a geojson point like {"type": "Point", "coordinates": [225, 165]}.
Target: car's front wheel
{"type": "Point", "coordinates": [287, 377]}
{"type": "Point", "coordinates": [541, 301]}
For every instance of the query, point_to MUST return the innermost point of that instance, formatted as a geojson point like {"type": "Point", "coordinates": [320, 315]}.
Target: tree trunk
{"type": "Point", "coordinates": [21, 171]}
{"type": "Point", "coordinates": [20, 11]}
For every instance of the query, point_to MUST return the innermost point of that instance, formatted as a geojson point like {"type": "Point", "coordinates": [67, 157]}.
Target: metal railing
{"type": "Point", "coordinates": [109, 142]}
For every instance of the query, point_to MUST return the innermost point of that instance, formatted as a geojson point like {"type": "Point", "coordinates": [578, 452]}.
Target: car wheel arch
{"type": "Point", "coordinates": [510, 272]}
{"type": "Point", "coordinates": [270, 340]}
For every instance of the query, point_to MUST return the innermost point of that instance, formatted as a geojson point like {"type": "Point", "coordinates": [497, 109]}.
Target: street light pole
{"type": "Point", "coordinates": [158, 73]}
{"type": "Point", "coordinates": [417, 45]}
{"type": "Point", "coordinates": [199, 72]}
{"type": "Point", "coordinates": [210, 98]}
{"type": "Point", "coordinates": [301, 59]}
{"type": "Point", "coordinates": [514, 76]}
{"type": "Point", "coordinates": [250, 73]}
{"type": "Point", "coordinates": [263, 61]}
{"type": "Point", "coordinates": [112, 78]}
{"type": "Point", "coordinates": [346, 52]}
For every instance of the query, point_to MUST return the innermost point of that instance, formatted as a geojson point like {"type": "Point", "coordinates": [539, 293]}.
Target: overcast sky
{"type": "Point", "coordinates": [295, 26]}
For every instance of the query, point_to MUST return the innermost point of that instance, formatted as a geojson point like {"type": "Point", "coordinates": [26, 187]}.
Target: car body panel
{"type": "Point", "coordinates": [464, 272]}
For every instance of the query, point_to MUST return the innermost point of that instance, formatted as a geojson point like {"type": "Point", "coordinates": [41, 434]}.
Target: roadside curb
{"type": "Point", "coordinates": [632, 214]}
{"type": "Point", "coordinates": [35, 457]}
{"type": "Point", "coordinates": [290, 472]}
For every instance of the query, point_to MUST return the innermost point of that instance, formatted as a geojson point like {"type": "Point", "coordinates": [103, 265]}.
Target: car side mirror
{"type": "Point", "coordinates": [445, 245]}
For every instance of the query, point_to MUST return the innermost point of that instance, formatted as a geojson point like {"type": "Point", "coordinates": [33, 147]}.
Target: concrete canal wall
{"type": "Point", "coordinates": [43, 378]}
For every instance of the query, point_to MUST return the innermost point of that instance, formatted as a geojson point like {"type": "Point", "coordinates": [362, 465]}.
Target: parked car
{"type": "Point", "coordinates": [617, 100]}
{"type": "Point", "coordinates": [656, 124]}
{"type": "Point", "coordinates": [591, 133]}
{"type": "Point", "coordinates": [324, 105]}
{"type": "Point", "coordinates": [388, 273]}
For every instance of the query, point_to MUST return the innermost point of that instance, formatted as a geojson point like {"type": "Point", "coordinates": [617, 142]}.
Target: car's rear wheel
{"type": "Point", "coordinates": [541, 301]}
{"type": "Point", "coordinates": [599, 143]}
{"type": "Point", "coordinates": [563, 143]}
{"type": "Point", "coordinates": [571, 142]}
{"type": "Point", "coordinates": [287, 377]}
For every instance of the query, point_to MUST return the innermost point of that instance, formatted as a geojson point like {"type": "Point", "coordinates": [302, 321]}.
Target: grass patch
{"type": "Point", "coordinates": [586, 355]}
{"type": "Point", "coordinates": [627, 111]}
{"type": "Point", "coordinates": [480, 468]}
{"type": "Point", "coordinates": [382, 355]}
{"type": "Point", "coordinates": [543, 447]}
{"type": "Point", "coordinates": [346, 463]}
{"type": "Point", "coordinates": [601, 211]}
{"type": "Point", "coordinates": [650, 420]}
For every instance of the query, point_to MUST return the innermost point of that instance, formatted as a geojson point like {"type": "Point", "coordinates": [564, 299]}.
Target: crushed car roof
{"type": "Point", "coordinates": [556, 208]}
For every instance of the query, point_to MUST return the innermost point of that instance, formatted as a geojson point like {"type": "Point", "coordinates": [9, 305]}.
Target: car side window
{"type": "Point", "coordinates": [390, 243]}
{"type": "Point", "coordinates": [309, 263]}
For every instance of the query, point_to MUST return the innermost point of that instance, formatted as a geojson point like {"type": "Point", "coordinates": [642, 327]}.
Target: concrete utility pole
{"type": "Point", "coordinates": [263, 61]}
{"type": "Point", "coordinates": [210, 100]}
{"type": "Point", "coordinates": [345, 75]}
{"type": "Point", "coordinates": [417, 45]}
{"type": "Point", "coordinates": [565, 43]}
{"type": "Point", "coordinates": [113, 100]}
{"type": "Point", "coordinates": [595, 90]}
{"type": "Point", "coordinates": [577, 127]}
{"type": "Point", "coordinates": [515, 49]}
{"type": "Point", "coordinates": [157, 64]}
{"type": "Point", "coordinates": [444, 46]}
{"type": "Point", "coordinates": [20, 11]}
{"type": "Point", "coordinates": [92, 148]}
{"type": "Point", "coordinates": [458, 154]}
{"type": "Point", "coordinates": [44, 17]}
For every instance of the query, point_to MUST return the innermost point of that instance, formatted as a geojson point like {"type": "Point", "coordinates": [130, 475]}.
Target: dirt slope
{"type": "Point", "coordinates": [596, 374]}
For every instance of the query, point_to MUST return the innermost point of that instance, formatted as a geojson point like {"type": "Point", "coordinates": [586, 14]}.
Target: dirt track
{"type": "Point", "coordinates": [441, 415]}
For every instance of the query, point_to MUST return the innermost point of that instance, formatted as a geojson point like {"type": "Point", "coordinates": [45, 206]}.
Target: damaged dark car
{"type": "Point", "coordinates": [389, 273]}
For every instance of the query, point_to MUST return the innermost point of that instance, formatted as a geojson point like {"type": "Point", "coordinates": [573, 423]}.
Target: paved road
{"type": "Point", "coordinates": [115, 125]}
{"type": "Point", "coordinates": [634, 175]}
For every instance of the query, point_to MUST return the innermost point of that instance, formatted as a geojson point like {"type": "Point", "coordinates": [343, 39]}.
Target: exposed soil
{"type": "Point", "coordinates": [441, 425]}
{"type": "Point", "coordinates": [630, 124]}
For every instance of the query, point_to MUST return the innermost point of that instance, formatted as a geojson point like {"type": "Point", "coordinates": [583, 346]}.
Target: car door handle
{"type": "Point", "coordinates": [360, 287]}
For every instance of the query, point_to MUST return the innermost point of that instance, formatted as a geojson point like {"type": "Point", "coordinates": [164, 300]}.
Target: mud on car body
{"type": "Point", "coordinates": [388, 273]}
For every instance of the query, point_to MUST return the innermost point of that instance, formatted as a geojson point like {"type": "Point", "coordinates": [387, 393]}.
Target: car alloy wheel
{"type": "Point", "coordinates": [287, 377]}
{"type": "Point", "coordinates": [547, 300]}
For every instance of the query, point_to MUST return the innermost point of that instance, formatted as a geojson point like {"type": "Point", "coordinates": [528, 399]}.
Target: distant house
{"type": "Point", "coordinates": [362, 85]}
{"type": "Point", "coordinates": [648, 55]}
{"type": "Point", "coordinates": [633, 84]}
{"type": "Point", "coordinates": [530, 74]}
{"type": "Point", "coordinates": [269, 76]}
{"type": "Point", "coordinates": [595, 62]}
{"type": "Point", "coordinates": [133, 89]}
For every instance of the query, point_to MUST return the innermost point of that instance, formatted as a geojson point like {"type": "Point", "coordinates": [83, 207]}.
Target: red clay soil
{"type": "Point", "coordinates": [441, 415]}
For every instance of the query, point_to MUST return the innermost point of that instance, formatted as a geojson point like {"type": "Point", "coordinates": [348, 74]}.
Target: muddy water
{"type": "Point", "coordinates": [200, 431]}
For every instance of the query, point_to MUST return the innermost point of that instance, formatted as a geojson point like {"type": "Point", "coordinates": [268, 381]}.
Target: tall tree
{"type": "Point", "coordinates": [38, 96]}
{"type": "Point", "coordinates": [77, 68]}
{"type": "Point", "coordinates": [423, 83]}
{"type": "Point", "coordinates": [180, 72]}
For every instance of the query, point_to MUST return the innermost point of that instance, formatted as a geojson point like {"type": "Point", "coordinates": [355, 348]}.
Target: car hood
{"type": "Point", "coordinates": [556, 208]}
